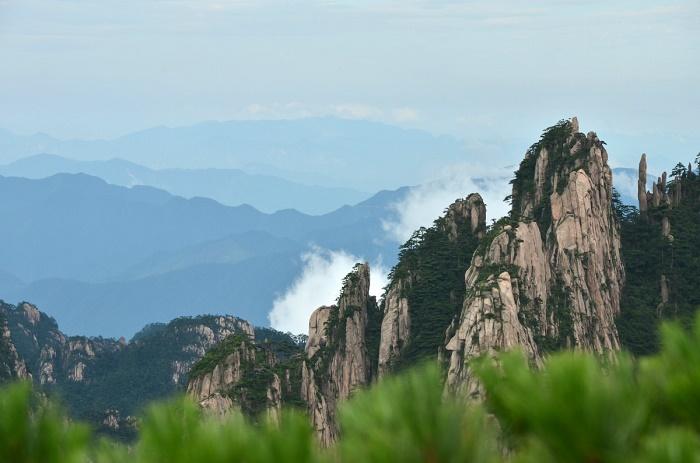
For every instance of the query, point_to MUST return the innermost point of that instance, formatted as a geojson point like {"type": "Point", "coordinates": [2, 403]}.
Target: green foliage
{"type": "Point", "coordinates": [648, 255]}
{"type": "Point", "coordinates": [31, 432]}
{"type": "Point", "coordinates": [431, 270]}
{"type": "Point", "coordinates": [407, 419]}
{"type": "Point", "coordinates": [259, 363]}
{"type": "Point", "coordinates": [576, 408]}
{"type": "Point", "coordinates": [218, 353]}
{"type": "Point", "coordinates": [177, 433]}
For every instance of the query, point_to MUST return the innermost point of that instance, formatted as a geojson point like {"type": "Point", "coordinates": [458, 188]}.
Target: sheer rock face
{"type": "Point", "coordinates": [338, 361]}
{"type": "Point", "coordinates": [50, 356]}
{"type": "Point", "coordinates": [642, 185]}
{"type": "Point", "coordinates": [549, 276]}
{"type": "Point", "coordinates": [11, 364]}
{"type": "Point", "coordinates": [396, 321]}
{"type": "Point", "coordinates": [200, 337]}
{"type": "Point", "coordinates": [396, 325]}
{"type": "Point", "coordinates": [54, 358]}
{"type": "Point", "coordinates": [224, 376]}
{"type": "Point", "coordinates": [226, 385]}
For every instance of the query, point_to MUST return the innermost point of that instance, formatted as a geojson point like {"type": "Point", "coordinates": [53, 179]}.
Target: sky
{"type": "Point", "coordinates": [102, 68]}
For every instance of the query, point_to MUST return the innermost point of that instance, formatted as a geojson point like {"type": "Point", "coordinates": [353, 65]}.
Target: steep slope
{"type": "Point", "coordinates": [660, 248]}
{"type": "Point", "coordinates": [341, 351]}
{"type": "Point", "coordinates": [426, 286]}
{"type": "Point", "coordinates": [550, 275]}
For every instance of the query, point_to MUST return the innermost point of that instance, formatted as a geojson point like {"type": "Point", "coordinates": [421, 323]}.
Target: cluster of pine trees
{"type": "Point", "coordinates": [577, 408]}
{"type": "Point", "coordinates": [647, 255]}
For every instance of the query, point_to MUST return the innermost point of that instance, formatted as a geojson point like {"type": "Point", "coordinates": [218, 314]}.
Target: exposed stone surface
{"type": "Point", "coordinates": [396, 321]}
{"type": "Point", "coordinates": [53, 359]}
{"type": "Point", "coordinates": [338, 360]}
{"type": "Point", "coordinates": [241, 373]}
{"type": "Point", "coordinates": [656, 206]}
{"type": "Point", "coordinates": [549, 276]}
{"type": "Point", "coordinates": [396, 326]}
{"type": "Point", "coordinates": [12, 366]}
{"type": "Point", "coordinates": [207, 388]}
{"type": "Point", "coordinates": [642, 185]}
{"type": "Point", "coordinates": [317, 330]}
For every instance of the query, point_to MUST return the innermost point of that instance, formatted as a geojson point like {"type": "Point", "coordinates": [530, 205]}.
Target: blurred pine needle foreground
{"type": "Point", "coordinates": [576, 408]}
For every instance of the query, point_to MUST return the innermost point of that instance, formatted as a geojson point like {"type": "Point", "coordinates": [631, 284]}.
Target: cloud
{"type": "Point", "coordinates": [318, 284]}
{"type": "Point", "coordinates": [405, 115]}
{"type": "Point", "coordinates": [425, 203]}
{"type": "Point", "coordinates": [358, 111]}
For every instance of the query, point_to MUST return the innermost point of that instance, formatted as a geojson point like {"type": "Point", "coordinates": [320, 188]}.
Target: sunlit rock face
{"type": "Point", "coordinates": [341, 338]}
{"type": "Point", "coordinates": [549, 275]}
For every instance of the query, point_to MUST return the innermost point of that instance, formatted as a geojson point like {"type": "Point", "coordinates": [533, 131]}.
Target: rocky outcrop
{"type": "Point", "coordinates": [338, 362]}
{"type": "Point", "coordinates": [656, 207]}
{"type": "Point", "coordinates": [548, 276]}
{"type": "Point", "coordinates": [463, 224]}
{"type": "Point", "coordinates": [12, 366]}
{"type": "Point", "coordinates": [87, 370]}
{"type": "Point", "coordinates": [197, 338]}
{"type": "Point", "coordinates": [51, 356]}
{"type": "Point", "coordinates": [209, 388]}
{"type": "Point", "coordinates": [396, 325]}
{"type": "Point", "coordinates": [242, 374]}
{"type": "Point", "coordinates": [642, 185]}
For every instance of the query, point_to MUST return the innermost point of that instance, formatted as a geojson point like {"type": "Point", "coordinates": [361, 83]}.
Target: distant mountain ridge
{"type": "Point", "coordinates": [106, 259]}
{"type": "Point", "coordinates": [232, 187]}
{"type": "Point", "coordinates": [331, 152]}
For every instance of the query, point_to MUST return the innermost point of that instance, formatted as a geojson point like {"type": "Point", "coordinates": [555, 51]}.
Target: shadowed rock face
{"type": "Point", "coordinates": [463, 217]}
{"type": "Point", "coordinates": [220, 389]}
{"type": "Point", "coordinates": [12, 366]}
{"type": "Point", "coordinates": [338, 351]}
{"type": "Point", "coordinates": [548, 276]}
{"type": "Point", "coordinates": [96, 375]}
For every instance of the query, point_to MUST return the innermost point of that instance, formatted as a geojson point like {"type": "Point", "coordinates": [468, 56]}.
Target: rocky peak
{"type": "Point", "coordinates": [240, 373]}
{"type": "Point", "coordinates": [656, 207]}
{"type": "Point", "coordinates": [642, 185]}
{"type": "Point", "coordinates": [341, 338]}
{"type": "Point", "coordinates": [549, 275]}
{"type": "Point", "coordinates": [470, 210]}
{"type": "Point", "coordinates": [12, 366]}
{"type": "Point", "coordinates": [427, 285]}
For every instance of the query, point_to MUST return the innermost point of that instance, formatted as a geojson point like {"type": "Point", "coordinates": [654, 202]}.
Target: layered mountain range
{"type": "Point", "coordinates": [570, 267]}
{"type": "Point", "coordinates": [106, 260]}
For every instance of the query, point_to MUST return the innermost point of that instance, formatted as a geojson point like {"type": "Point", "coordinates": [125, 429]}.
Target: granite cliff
{"type": "Point", "coordinates": [548, 276]}
{"type": "Point", "coordinates": [252, 376]}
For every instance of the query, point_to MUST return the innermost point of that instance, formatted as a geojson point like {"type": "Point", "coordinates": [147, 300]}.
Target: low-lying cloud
{"type": "Point", "coordinates": [318, 284]}
{"type": "Point", "coordinates": [425, 203]}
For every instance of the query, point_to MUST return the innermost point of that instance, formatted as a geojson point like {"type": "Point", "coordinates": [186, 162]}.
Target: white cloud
{"type": "Point", "coordinates": [318, 284]}
{"type": "Point", "coordinates": [405, 115]}
{"type": "Point", "coordinates": [425, 203]}
{"type": "Point", "coordinates": [358, 111]}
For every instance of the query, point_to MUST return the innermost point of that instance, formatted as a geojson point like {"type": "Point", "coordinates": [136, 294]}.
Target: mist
{"type": "Point", "coordinates": [318, 284]}
{"type": "Point", "coordinates": [425, 203]}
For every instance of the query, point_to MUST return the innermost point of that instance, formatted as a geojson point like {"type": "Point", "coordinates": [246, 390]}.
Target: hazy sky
{"type": "Point", "coordinates": [100, 68]}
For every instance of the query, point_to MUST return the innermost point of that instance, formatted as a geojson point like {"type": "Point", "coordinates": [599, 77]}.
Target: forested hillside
{"type": "Point", "coordinates": [661, 251]}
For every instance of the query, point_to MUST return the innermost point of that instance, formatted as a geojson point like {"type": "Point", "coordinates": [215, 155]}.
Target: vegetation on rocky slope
{"type": "Point", "coordinates": [647, 255]}
{"type": "Point", "coordinates": [627, 410]}
{"type": "Point", "coordinates": [431, 266]}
